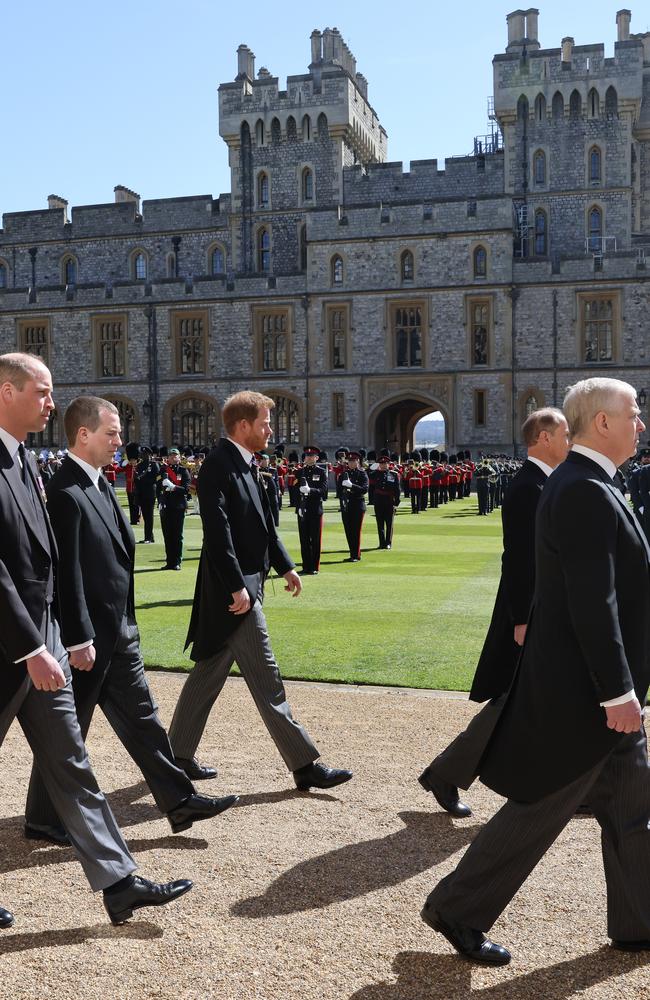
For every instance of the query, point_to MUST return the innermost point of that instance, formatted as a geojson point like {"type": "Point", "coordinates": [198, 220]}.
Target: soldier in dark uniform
{"type": "Point", "coordinates": [268, 479]}
{"type": "Point", "coordinates": [146, 475]}
{"type": "Point", "coordinates": [173, 490]}
{"type": "Point", "coordinates": [312, 491]}
{"type": "Point", "coordinates": [387, 497]}
{"type": "Point", "coordinates": [354, 486]}
{"type": "Point", "coordinates": [482, 475]}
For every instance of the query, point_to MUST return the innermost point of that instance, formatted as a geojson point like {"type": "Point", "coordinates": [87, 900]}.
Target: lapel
{"type": "Point", "coordinates": [38, 526]}
{"type": "Point", "coordinates": [96, 500]}
{"type": "Point", "coordinates": [247, 477]}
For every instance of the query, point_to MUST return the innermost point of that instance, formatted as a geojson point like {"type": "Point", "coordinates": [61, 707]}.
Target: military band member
{"type": "Point", "coordinates": [387, 497]}
{"type": "Point", "coordinates": [173, 490]}
{"type": "Point", "coordinates": [354, 486]}
{"type": "Point", "coordinates": [129, 464]}
{"type": "Point", "coordinates": [268, 479]}
{"type": "Point", "coordinates": [312, 491]}
{"type": "Point", "coordinates": [146, 475]}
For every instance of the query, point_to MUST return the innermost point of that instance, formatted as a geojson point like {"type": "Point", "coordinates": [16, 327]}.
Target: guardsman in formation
{"type": "Point", "coordinates": [482, 475]}
{"type": "Point", "coordinates": [354, 486]}
{"type": "Point", "coordinates": [173, 489]}
{"type": "Point", "coordinates": [130, 462]}
{"type": "Point", "coordinates": [292, 479]}
{"type": "Point", "coordinates": [312, 491]}
{"type": "Point", "coordinates": [146, 476]}
{"type": "Point", "coordinates": [341, 466]}
{"type": "Point", "coordinates": [268, 478]}
{"type": "Point", "coordinates": [415, 488]}
{"type": "Point", "coordinates": [386, 497]}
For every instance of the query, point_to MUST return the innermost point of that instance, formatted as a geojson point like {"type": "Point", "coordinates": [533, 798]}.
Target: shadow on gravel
{"type": "Point", "coordinates": [423, 976]}
{"type": "Point", "coordinates": [141, 931]}
{"type": "Point", "coordinates": [262, 798]}
{"type": "Point", "coordinates": [357, 869]}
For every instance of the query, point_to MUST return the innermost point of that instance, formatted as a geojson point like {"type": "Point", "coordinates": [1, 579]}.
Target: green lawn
{"type": "Point", "coordinates": [414, 616]}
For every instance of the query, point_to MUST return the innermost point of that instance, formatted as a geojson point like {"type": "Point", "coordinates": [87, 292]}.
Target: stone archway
{"type": "Point", "coordinates": [392, 423]}
{"type": "Point", "coordinates": [192, 420]}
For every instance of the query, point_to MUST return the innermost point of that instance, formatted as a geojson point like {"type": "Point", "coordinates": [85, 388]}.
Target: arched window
{"type": "Point", "coordinates": [530, 406]}
{"type": "Point", "coordinates": [193, 422]}
{"type": "Point", "coordinates": [307, 184]}
{"type": "Point", "coordinates": [69, 271]}
{"type": "Point", "coordinates": [285, 420]}
{"type": "Point", "coordinates": [540, 108]}
{"type": "Point", "coordinates": [408, 337]}
{"type": "Point", "coordinates": [541, 242]}
{"type": "Point", "coordinates": [292, 132]}
{"type": "Point", "coordinates": [217, 261]}
{"type": "Point", "coordinates": [48, 438]}
{"type": "Point", "coordinates": [127, 412]}
{"type": "Point", "coordinates": [274, 341]}
{"type": "Point", "coordinates": [276, 132]}
{"type": "Point", "coordinates": [480, 262]}
{"type": "Point", "coordinates": [337, 321]}
{"type": "Point", "coordinates": [336, 270]}
{"type": "Point", "coordinates": [611, 102]}
{"type": "Point", "coordinates": [522, 109]}
{"type": "Point", "coordinates": [302, 247]}
{"type": "Point", "coordinates": [407, 268]}
{"type": "Point", "coordinates": [323, 128]}
{"type": "Point", "coordinates": [3, 274]}
{"type": "Point", "coordinates": [595, 229]}
{"type": "Point", "coordinates": [263, 189]}
{"type": "Point", "coordinates": [557, 108]}
{"type": "Point", "coordinates": [306, 128]}
{"type": "Point", "coordinates": [171, 265]}
{"type": "Point", "coordinates": [575, 105]}
{"type": "Point", "coordinates": [259, 132]}
{"type": "Point", "coordinates": [593, 103]}
{"type": "Point", "coordinates": [539, 167]}
{"type": "Point", "coordinates": [595, 165]}
{"type": "Point", "coordinates": [264, 250]}
{"type": "Point", "coordinates": [139, 266]}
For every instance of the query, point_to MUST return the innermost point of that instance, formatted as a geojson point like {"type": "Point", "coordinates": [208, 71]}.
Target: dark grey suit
{"type": "Point", "coordinates": [28, 618]}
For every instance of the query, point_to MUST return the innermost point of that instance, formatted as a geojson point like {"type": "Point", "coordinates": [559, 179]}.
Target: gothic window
{"type": "Point", "coordinates": [292, 131]}
{"type": "Point", "coordinates": [306, 128]}
{"type": "Point", "coordinates": [595, 165]}
{"type": "Point", "coordinates": [48, 438]}
{"type": "Point", "coordinates": [109, 335]}
{"type": "Point", "coordinates": [338, 410]}
{"type": "Point", "coordinates": [530, 406]}
{"type": "Point", "coordinates": [557, 107]}
{"type": "Point", "coordinates": [480, 262]}
{"type": "Point", "coordinates": [285, 420]}
{"type": "Point", "coordinates": [540, 108]}
{"type": "Point", "coordinates": [127, 415]}
{"type": "Point", "coordinates": [193, 422]}
{"type": "Point", "coordinates": [539, 167]}
{"type": "Point", "coordinates": [407, 269]}
{"type": "Point", "coordinates": [407, 336]}
{"type": "Point", "coordinates": [323, 129]}
{"type": "Point", "coordinates": [541, 242]}
{"type": "Point", "coordinates": [34, 337]}
{"type": "Point", "coordinates": [264, 250]}
{"type": "Point", "coordinates": [595, 229]}
{"type": "Point", "coordinates": [593, 103]}
{"type": "Point", "coordinates": [69, 269]}
{"type": "Point", "coordinates": [259, 132]}
{"type": "Point", "coordinates": [337, 324]}
{"type": "Point", "coordinates": [480, 407]}
{"type": "Point", "coordinates": [575, 105]}
{"type": "Point", "coordinates": [171, 265]}
{"type": "Point", "coordinates": [276, 132]}
{"type": "Point", "coordinates": [307, 184]}
{"type": "Point", "coordinates": [522, 109]}
{"type": "Point", "coordinates": [479, 314]}
{"type": "Point", "coordinates": [263, 190]}
{"type": "Point", "coordinates": [273, 339]}
{"type": "Point", "coordinates": [217, 261]}
{"type": "Point", "coordinates": [190, 339]}
{"type": "Point", "coordinates": [336, 270]}
{"type": "Point", "coordinates": [302, 247]}
{"type": "Point", "coordinates": [611, 102]}
{"type": "Point", "coordinates": [139, 266]}
{"type": "Point", "coordinates": [3, 275]}
{"type": "Point", "coordinates": [597, 328]}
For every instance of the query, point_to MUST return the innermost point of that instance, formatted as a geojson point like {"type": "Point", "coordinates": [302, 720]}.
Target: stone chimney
{"type": "Point", "coordinates": [126, 194]}
{"type": "Point", "coordinates": [316, 46]}
{"type": "Point", "coordinates": [567, 49]}
{"type": "Point", "coordinates": [623, 24]}
{"type": "Point", "coordinates": [245, 63]}
{"type": "Point", "coordinates": [516, 27]}
{"type": "Point", "coordinates": [328, 45]}
{"type": "Point", "coordinates": [263, 73]}
{"type": "Point", "coordinates": [55, 201]}
{"type": "Point", "coordinates": [362, 84]}
{"type": "Point", "coordinates": [532, 16]}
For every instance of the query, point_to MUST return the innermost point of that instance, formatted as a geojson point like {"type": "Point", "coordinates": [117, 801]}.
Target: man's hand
{"type": "Point", "coordinates": [82, 659]}
{"type": "Point", "coordinates": [305, 490]}
{"type": "Point", "coordinates": [294, 583]}
{"type": "Point", "coordinates": [520, 634]}
{"type": "Point", "coordinates": [45, 672]}
{"type": "Point", "coordinates": [346, 482]}
{"type": "Point", "coordinates": [625, 718]}
{"type": "Point", "coordinates": [241, 602]}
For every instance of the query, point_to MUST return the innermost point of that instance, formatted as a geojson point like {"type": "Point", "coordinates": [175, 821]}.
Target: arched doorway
{"type": "Point", "coordinates": [430, 431]}
{"type": "Point", "coordinates": [193, 421]}
{"type": "Point", "coordinates": [395, 423]}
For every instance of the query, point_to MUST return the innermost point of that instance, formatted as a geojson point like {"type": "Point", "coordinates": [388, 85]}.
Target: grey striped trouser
{"type": "Point", "coordinates": [250, 647]}
{"type": "Point", "coordinates": [511, 844]}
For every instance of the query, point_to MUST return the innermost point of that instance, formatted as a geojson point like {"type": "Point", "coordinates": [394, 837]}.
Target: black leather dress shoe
{"type": "Point", "coordinates": [194, 770]}
{"type": "Point", "coordinates": [52, 834]}
{"type": "Point", "coordinates": [140, 892]}
{"type": "Point", "coordinates": [468, 942]}
{"type": "Point", "coordinates": [196, 807]}
{"type": "Point", "coordinates": [641, 945]}
{"type": "Point", "coordinates": [445, 794]}
{"type": "Point", "coordinates": [6, 918]}
{"type": "Point", "coordinates": [319, 776]}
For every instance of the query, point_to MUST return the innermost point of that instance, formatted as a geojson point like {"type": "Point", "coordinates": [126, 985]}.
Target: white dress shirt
{"type": "Point", "coordinates": [247, 455]}
{"type": "Point", "coordinates": [93, 474]}
{"type": "Point", "coordinates": [546, 469]}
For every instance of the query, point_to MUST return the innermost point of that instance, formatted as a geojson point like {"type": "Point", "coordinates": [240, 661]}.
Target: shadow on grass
{"type": "Point", "coordinates": [141, 931]}
{"type": "Point", "coordinates": [185, 603]}
{"type": "Point", "coordinates": [357, 869]}
{"type": "Point", "coordinates": [424, 976]}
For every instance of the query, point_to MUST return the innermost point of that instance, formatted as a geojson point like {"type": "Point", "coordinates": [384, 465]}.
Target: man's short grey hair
{"type": "Point", "coordinates": [587, 398]}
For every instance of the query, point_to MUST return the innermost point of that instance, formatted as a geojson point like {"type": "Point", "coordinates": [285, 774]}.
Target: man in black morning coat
{"type": "Point", "coordinates": [240, 545]}
{"type": "Point", "coordinates": [98, 626]}
{"type": "Point", "coordinates": [571, 729]}
{"type": "Point", "coordinates": [545, 434]}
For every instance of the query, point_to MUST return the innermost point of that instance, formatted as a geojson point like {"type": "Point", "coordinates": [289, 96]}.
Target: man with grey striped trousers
{"type": "Point", "coordinates": [240, 545]}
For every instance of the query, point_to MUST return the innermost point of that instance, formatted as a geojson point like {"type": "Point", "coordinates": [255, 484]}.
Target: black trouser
{"type": "Point", "coordinates": [416, 501]}
{"type": "Point", "coordinates": [435, 495]}
{"type": "Point", "coordinates": [482, 495]}
{"type": "Point", "coordinates": [171, 522]}
{"type": "Point", "coordinates": [134, 508]}
{"type": "Point", "coordinates": [352, 521]}
{"type": "Point", "coordinates": [146, 506]}
{"type": "Point", "coordinates": [310, 529]}
{"type": "Point", "coordinates": [424, 499]}
{"type": "Point", "coordinates": [385, 514]}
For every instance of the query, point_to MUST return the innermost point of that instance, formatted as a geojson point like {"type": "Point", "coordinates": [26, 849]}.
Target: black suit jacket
{"type": "Point", "coordinates": [27, 556]}
{"type": "Point", "coordinates": [240, 544]}
{"type": "Point", "coordinates": [588, 637]}
{"type": "Point", "coordinates": [500, 653]}
{"type": "Point", "coordinates": [97, 551]}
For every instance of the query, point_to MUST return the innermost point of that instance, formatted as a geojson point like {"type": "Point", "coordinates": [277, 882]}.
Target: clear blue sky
{"type": "Point", "coordinates": [99, 93]}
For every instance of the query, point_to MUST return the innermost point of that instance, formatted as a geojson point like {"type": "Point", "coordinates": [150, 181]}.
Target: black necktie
{"type": "Point", "coordinates": [255, 471]}
{"type": "Point", "coordinates": [104, 489]}
{"type": "Point", "coordinates": [25, 476]}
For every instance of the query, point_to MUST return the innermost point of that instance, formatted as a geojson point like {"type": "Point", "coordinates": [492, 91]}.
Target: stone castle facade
{"type": "Point", "coordinates": [357, 294]}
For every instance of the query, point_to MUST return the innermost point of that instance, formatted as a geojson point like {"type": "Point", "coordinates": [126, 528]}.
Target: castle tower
{"type": "Point", "coordinates": [288, 148]}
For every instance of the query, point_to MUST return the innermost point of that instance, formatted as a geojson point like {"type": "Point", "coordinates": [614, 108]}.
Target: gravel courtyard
{"type": "Point", "coordinates": [298, 895]}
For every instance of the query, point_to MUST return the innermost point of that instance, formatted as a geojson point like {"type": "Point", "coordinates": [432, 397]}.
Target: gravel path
{"type": "Point", "coordinates": [313, 896]}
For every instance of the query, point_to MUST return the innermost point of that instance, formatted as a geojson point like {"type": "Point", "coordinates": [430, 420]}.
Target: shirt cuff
{"type": "Point", "coordinates": [621, 700]}
{"type": "Point", "coordinates": [80, 645]}
{"type": "Point", "coordinates": [41, 649]}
